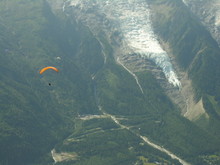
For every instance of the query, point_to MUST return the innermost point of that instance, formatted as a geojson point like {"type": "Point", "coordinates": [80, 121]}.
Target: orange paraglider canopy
{"type": "Point", "coordinates": [49, 67]}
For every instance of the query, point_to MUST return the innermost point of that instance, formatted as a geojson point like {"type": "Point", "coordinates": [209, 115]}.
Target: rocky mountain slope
{"type": "Point", "coordinates": [209, 14]}
{"type": "Point", "coordinates": [198, 59]}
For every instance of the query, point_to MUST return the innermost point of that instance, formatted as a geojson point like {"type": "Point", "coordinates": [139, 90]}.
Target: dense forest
{"type": "Point", "coordinates": [36, 118]}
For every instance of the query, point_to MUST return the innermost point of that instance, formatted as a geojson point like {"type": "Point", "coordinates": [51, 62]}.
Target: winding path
{"type": "Point", "coordinates": [145, 139]}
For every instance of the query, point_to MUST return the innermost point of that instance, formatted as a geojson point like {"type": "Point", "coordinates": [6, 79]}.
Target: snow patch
{"type": "Point", "coordinates": [130, 21]}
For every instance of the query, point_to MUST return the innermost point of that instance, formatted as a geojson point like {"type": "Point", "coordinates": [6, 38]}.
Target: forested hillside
{"type": "Point", "coordinates": [94, 111]}
{"type": "Point", "coordinates": [35, 116]}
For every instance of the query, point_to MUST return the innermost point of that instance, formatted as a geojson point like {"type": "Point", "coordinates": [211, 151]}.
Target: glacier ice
{"type": "Point", "coordinates": [131, 20]}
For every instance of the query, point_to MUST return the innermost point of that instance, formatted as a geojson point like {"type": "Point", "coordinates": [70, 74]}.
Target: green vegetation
{"type": "Point", "coordinates": [144, 114]}
{"type": "Point", "coordinates": [96, 143]}
{"type": "Point", "coordinates": [35, 117]}
{"type": "Point", "coordinates": [196, 53]}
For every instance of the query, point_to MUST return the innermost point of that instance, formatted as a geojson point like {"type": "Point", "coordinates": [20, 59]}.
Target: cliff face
{"type": "Point", "coordinates": [191, 46]}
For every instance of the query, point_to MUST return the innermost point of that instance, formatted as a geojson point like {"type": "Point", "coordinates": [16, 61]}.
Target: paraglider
{"type": "Point", "coordinates": [46, 68]}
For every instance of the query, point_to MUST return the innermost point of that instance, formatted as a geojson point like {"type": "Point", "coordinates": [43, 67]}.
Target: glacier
{"type": "Point", "coordinates": [130, 21]}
